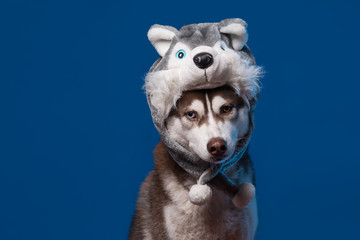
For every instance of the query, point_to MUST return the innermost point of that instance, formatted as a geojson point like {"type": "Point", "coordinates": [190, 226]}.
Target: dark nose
{"type": "Point", "coordinates": [216, 147]}
{"type": "Point", "coordinates": [203, 60]}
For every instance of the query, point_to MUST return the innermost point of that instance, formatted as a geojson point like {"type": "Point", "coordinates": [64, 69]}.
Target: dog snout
{"type": "Point", "coordinates": [203, 60]}
{"type": "Point", "coordinates": [216, 147]}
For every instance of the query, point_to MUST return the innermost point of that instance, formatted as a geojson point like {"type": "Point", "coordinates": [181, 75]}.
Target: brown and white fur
{"type": "Point", "coordinates": [208, 123]}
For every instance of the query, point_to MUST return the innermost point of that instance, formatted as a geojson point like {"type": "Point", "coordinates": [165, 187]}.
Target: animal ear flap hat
{"type": "Point", "coordinates": [201, 56]}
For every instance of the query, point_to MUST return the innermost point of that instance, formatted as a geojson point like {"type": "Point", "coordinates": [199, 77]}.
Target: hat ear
{"type": "Point", "coordinates": [235, 28]}
{"type": "Point", "coordinates": [160, 37]}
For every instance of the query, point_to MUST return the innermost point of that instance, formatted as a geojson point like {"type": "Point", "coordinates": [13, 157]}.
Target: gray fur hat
{"type": "Point", "coordinates": [199, 56]}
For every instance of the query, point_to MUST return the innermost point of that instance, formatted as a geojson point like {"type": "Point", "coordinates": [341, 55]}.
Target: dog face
{"type": "Point", "coordinates": [209, 123]}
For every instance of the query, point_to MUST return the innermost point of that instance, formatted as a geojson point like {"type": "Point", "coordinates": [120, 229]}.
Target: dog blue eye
{"type": "Point", "coordinates": [191, 115]}
{"type": "Point", "coordinates": [222, 47]}
{"type": "Point", "coordinates": [180, 54]}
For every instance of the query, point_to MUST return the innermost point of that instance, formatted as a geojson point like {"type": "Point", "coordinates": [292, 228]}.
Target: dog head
{"type": "Point", "coordinates": [200, 56]}
{"type": "Point", "coordinates": [210, 123]}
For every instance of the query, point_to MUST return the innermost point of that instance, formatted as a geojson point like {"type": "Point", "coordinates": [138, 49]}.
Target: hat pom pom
{"type": "Point", "coordinates": [244, 196]}
{"type": "Point", "coordinates": [200, 194]}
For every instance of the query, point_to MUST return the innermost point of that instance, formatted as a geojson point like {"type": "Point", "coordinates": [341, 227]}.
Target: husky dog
{"type": "Point", "coordinates": [201, 93]}
{"type": "Point", "coordinates": [208, 123]}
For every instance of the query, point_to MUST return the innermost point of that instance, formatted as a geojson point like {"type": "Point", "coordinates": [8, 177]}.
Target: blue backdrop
{"type": "Point", "coordinates": [76, 136]}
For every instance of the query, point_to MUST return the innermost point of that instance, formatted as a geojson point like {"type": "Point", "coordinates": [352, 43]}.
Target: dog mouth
{"type": "Point", "coordinates": [218, 159]}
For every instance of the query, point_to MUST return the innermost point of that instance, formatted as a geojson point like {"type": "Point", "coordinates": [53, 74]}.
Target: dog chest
{"type": "Point", "coordinates": [218, 219]}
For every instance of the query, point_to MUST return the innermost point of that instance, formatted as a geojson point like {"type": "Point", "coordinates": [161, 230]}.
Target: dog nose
{"type": "Point", "coordinates": [203, 60]}
{"type": "Point", "coordinates": [216, 147]}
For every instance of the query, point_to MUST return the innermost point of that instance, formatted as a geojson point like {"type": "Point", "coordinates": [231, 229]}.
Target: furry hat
{"type": "Point", "coordinates": [200, 56]}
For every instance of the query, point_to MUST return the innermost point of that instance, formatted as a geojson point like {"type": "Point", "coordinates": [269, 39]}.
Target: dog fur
{"type": "Point", "coordinates": [167, 206]}
{"type": "Point", "coordinates": [163, 208]}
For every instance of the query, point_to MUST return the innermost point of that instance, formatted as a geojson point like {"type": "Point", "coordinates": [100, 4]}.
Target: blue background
{"type": "Point", "coordinates": [76, 136]}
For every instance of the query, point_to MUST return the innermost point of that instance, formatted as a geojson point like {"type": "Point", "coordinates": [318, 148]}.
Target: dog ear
{"type": "Point", "coordinates": [160, 37]}
{"type": "Point", "coordinates": [235, 28]}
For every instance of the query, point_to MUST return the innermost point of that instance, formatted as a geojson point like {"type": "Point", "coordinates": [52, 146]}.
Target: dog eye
{"type": "Point", "coordinates": [180, 54]}
{"type": "Point", "coordinates": [226, 109]}
{"type": "Point", "coordinates": [222, 47]}
{"type": "Point", "coordinates": [191, 115]}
